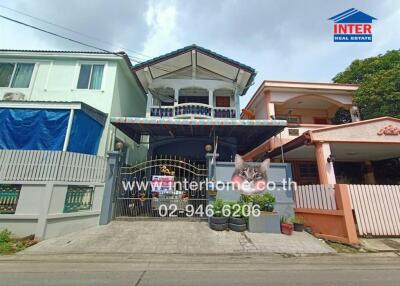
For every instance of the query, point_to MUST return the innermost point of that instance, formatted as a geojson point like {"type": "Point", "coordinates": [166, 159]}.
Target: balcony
{"type": "Point", "coordinates": [192, 110]}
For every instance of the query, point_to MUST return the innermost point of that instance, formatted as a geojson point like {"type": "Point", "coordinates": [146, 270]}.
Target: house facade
{"type": "Point", "coordinates": [192, 84]}
{"type": "Point", "coordinates": [102, 81]}
{"type": "Point", "coordinates": [319, 150]}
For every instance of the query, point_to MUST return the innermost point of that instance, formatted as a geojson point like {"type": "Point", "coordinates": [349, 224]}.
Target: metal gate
{"type": "Point", "coordinates": [162, 187]}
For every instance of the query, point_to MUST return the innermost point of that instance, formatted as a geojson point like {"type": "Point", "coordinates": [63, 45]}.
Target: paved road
{"type": "Point", "coordinates": [120, 269]}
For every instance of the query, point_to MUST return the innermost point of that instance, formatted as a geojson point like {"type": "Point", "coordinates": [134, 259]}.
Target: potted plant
{"type": "Point", "coordinates": [218, 221]}
{"type": "Point", "coordinates": [286, 226]}
{"type": "Point", "coordinates": [298, 223]}
{"type": "Point", "coordinates": [237, 221]}
{"type": "Point", "coordinates": [265, 201]}
{"type": "Point", "coordinates": [268, 201]}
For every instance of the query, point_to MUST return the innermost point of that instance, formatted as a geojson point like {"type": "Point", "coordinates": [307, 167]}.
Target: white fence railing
{"type": "Point", "coordinates": [22, 165]}
{"type": "Point", "coordinates": [377, 209]}
{"type": "Point", "coordinates": [315, 197]}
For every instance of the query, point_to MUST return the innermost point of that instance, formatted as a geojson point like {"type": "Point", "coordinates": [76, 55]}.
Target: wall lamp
{"type": "Point", "coordinates": [331, 159]}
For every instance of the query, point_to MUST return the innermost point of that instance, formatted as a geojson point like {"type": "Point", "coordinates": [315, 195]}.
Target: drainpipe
{"type": "Point", "coordinates": [69, 127]}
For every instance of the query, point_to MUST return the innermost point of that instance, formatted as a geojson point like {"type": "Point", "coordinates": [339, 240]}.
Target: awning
{"type": "Point", "coordinates": [373, 139]}
{"type": "Point", "coordinates": [248, 133]}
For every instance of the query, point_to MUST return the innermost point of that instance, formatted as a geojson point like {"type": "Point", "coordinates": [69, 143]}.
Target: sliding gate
{"type": "Point", "coordinates": [163, 187]}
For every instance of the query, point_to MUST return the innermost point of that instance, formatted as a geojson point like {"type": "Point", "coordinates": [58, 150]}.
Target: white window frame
{"type": "Point", "coordinates": [15, 62]}
{"type": "Point", "coordinates": [78, 70]}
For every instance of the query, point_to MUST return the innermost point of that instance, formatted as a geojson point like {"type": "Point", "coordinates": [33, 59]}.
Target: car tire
{"type": "Point", "coordinates": [218, 227]}
{"type": "Point", "coordinates": [237, 220]}
{"type": "Point", "coordinates": [219, 220]}
{"type": "Point", "coordinates": [237, 227]}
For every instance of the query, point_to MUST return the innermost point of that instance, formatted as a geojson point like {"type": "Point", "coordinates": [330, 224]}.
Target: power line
{"type": "Point", "coordinates": [135, 59]}
{"type": "Point", "coordinates": [79, 42]}
{"type": "Point", "coordinates": [55, 34]}
{"type": "Point", "coordinates": [66, 28]}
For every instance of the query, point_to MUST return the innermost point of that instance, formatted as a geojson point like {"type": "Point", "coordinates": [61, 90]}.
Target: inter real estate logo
{"type": "Point", "coordinates": [352, 26]}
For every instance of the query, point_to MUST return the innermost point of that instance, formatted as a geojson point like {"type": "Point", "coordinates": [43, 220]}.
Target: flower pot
{"type": "Point", "coordinates": [269, 208]}
{"type": "Point", "coordinates": [219, 220]}
{"type": "Point", "coordinates": [298, 227]}
{"type": "Point", "coordinates": [287, 228]}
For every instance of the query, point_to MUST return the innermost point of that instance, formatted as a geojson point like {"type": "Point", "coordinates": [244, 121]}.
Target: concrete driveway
{"type": "Point", "coordinates": [177, 237]}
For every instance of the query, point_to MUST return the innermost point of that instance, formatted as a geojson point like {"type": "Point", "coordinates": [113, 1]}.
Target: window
{"type": "Point", "coordinates": [223, 101]}
{"type": "Point", "coordinates": [320, 120]}
{"type": "Point", "coordinates": [308, 170]}
{"type": "Point", "coordinates": [9, 195]}
{"type": "Point", "coordinates": [193, 95]}
{"type": "Point", "coordinates": [90, 77]}
{"type": "Point", "coordinates": [289, 119]}
{"type": "Point", "coordinates": [78, 198]}
{"type": "Point", "coordinates": [223, 97]}
{"type": "Point", "coordinates": [17, 75]}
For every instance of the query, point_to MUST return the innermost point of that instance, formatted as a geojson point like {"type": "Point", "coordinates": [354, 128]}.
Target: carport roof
{"type": "Point", "coordinates": [248, 133]}
{"type": "Point", "coordinates": [357, 141]}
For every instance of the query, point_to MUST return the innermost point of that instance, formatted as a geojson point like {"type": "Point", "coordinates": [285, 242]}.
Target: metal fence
{"type": "Point", "coordinates": [9, 195]}
{"type": "Point", "coordinates": [27, 165]}
{"type": "Point", "coordinates": [161, 208]}
{"type": "Point", "coordinates": [377, 209]}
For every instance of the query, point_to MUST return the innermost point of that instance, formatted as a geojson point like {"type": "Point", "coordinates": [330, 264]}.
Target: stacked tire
{"type": "Point", "coordinates": [237, 224]}
{"type": "Point", "coordinates": [219, 223]}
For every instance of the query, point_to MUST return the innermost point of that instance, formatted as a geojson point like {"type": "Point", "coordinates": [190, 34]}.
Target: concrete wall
{"type": "Point", "coordinates": [40, 210]}
{"type": "Point", "coordinates": [129, 100]}
{"type": "Point", "coordinates": [276, 173]}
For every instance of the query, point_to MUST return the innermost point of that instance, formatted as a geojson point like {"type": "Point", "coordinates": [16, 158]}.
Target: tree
{"type": "Point", "coordinates": [379, 80]}
{"type": "Point", "coordinates": [341, 116]}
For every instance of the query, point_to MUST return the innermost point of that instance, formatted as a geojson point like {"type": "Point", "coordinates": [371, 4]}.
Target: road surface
{"type": "Point", "coordinates": [122, 269]}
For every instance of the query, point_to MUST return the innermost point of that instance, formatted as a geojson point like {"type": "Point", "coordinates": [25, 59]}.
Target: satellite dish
{"type": "Point", "coordinates": [163, 95]}
{"type": "Point", "coordinates": [14, 96]}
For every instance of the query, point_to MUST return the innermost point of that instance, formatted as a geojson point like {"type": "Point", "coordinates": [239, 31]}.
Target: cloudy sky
{"type": "Point", "coordinates": [282, 40]}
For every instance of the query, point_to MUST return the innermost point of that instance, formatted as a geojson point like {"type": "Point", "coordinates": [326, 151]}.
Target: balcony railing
{"type": "Point", "coordinates": [192, 110]}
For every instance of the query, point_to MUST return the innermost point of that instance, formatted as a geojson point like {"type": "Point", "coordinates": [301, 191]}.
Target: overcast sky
{"type": "Point", "coordinates": [282, 40]}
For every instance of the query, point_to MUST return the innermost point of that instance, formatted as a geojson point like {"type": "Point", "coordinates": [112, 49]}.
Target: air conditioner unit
{"type": "Point", "coordinates": [14, 96]}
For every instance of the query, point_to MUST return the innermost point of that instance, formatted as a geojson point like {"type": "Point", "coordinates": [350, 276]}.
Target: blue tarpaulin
{"type": "Point", "coordinates": [85, 134]}
{"type": "Point", "coordinates": [32, 129]}
{"type": "Point", "coordinates": [45, 129]}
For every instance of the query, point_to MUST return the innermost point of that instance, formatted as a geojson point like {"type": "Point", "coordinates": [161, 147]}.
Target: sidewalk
{"type": "Point", "coordinates": [176, 237]}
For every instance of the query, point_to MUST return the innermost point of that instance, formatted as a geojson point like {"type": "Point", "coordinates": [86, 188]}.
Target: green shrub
{"type": "Point", "coordinates": [5, 236]}
{"type": "Point", "coordinates": [298, 220]}
{"type": "Point", "coordinates": [259, 199]}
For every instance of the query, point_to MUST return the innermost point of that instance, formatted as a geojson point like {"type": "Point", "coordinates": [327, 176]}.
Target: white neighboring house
{"type": "Point", "coordinates": [101, 80]}
{"type": "Point", "coordinates": [49, 101]}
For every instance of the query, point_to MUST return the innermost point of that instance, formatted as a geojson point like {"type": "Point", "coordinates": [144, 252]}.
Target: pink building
{"type": "Point", "coordinates": [321, 151]}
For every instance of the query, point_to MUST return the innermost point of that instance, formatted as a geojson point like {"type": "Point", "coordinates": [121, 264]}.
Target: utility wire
{"type": "Point", "coordinates": [55, 34]}
{"type": "Point", "coordinates": [136, 59]}
{"type": "Point", "coordinates": [73, 40]}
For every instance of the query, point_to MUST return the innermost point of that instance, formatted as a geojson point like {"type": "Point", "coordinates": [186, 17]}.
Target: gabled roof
{"type": "Point", "coordinates": [57, 52]}
{"type": "Point", "coordinates": [198, 48]}
{"type": "Point", "coordinates": [352, 16]}
{"type": "Point", "coordinates": [194, 55]}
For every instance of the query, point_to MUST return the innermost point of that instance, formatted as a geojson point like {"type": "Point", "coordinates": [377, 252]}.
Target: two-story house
{"type": "Point", "coordinates": [319, 150]}
{"type": "Point", "coordinates": [193, 101]}
{"type": "Point", "coordinates": [82, 90]}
